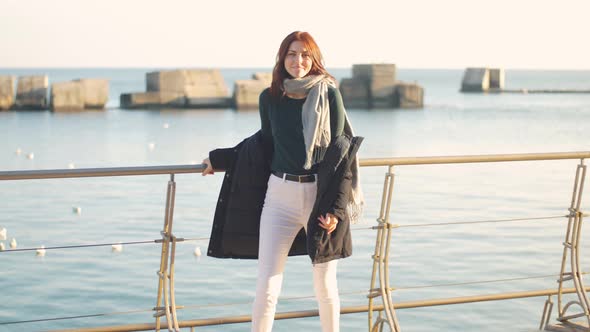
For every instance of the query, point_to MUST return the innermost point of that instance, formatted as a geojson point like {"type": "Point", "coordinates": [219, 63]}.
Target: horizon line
{"type": "Point", "coordinates": [270, 67]}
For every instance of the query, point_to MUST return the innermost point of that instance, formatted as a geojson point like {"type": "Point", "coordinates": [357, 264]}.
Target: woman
{"type": "Point", "coordinates": [305, 158]}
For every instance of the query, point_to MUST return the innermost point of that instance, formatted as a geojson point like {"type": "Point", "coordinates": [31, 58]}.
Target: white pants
{"type": "Point", "coordinates": [286, 209]}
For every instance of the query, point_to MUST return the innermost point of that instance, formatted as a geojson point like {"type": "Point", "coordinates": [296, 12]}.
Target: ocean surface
{"type": "Point", "coordinates": [101, 288]}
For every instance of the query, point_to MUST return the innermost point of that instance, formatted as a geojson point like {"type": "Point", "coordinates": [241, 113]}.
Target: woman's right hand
{"type": "Point", "coordinates": [209, 168]}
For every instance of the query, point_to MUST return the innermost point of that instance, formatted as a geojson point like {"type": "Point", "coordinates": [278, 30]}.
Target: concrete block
{"type": "Point", "coordinates": [31, 92]}
{"type": "Point", "coordinates": [96, 92]}
{"type": "Point", "coordinates": [205, 90]}
{"type": "Point", "coordinates": [382, 103]}
{"type": "Point", "coordinates": [381, 90]}
{"type": "Point", "coordinates": [193, 83]}
{"type": "Point", "coordinates": [67, 96]}
{"type": "Point", "coordinates": [384, 72]}
{"type": "Point", "coordinates": [6, 92]}
{"type": "Point", "coordinates": [209, 102]}
{"type": "Point", "coordinates": [381, 95]}
{"type": "Point", "coordinates": [247, 93]}
{"type": "Point", "coordinates": [408, 95]}
{"type": "Point", "coordinates": [152, 99]}
{"type": "Point", "coordinates": [355, 93]}
{"type": "Point", "coordinates": [475, 80]}
{"type": "Point", "coordinates": [266, 77]}
{"type": "Point", "coordinates": [380, 82]}
{"type": "Point", "coordinates": [205, 83]}
{"type": "Point", "coordinates": [374, 86]}
{"type": "Point", "coordinates": [167, 81]}
{"type": "Point", "coordinates": [497, 78]}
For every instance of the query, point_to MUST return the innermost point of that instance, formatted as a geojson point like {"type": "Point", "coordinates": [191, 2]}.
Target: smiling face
{"type": "Point", "coordinates": [298, 60]}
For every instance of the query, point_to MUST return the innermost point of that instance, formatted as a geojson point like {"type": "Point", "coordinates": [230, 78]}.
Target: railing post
{"type": "Point", "coordinates": [381, 263]}
{"type": "Point", "coordinates": [166, 271]}
{"type": "Point", "coordinates": [571, 245]}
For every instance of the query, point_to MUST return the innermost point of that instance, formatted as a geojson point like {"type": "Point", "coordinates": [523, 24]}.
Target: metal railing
{"type": "Point", "coordinates": [380, 284]}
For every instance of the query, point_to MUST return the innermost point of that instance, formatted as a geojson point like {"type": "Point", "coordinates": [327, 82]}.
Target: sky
{"type": "Point", "coordinates": [528, 34]}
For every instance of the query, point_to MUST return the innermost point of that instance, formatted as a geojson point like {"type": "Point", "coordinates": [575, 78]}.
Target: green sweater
{"type": "Point", "coordinates": [282, 123]}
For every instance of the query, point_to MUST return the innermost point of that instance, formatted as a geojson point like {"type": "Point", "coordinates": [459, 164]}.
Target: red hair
{"type": "Point", "coordinates": [279, 73]}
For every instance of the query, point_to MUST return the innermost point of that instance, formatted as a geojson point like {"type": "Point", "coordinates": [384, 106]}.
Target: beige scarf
{"type": "Point", "coordinates": [316, 131]}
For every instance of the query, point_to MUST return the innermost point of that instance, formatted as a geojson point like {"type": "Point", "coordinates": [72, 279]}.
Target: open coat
{"type": "Point", "coordinates": [236, 223]}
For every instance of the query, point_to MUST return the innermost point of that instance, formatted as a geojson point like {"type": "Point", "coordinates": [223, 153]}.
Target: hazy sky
{"type": "Point", "coordinates": [217, 33]}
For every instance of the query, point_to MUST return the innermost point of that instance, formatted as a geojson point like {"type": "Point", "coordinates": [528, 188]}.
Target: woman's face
{"type": "Point", "coordinates": [298, 60]}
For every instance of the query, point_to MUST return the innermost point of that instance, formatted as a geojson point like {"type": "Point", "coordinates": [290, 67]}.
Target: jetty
{"type": "Point", "coordinates": [526, 91]}
{"type": "Point", "coordinates": [492, 80]}
{"type": "Point", "coordinates": [569, 312]}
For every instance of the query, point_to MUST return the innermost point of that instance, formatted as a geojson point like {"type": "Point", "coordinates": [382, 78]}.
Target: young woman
{"type": "Point", "coordinates": [302, 169]}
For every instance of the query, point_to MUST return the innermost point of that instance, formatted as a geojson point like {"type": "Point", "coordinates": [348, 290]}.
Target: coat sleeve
{"type": "Point", "coordinates": [222, 159]}
{"type": "Point", "coordinates": [340, 204]}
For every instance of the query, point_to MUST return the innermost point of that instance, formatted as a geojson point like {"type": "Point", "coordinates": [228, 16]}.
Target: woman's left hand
{"type": "Point", "coordinates": [328, 222]}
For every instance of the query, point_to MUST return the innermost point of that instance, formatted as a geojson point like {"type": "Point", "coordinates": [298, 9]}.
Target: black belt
{"type": "Point", "coordinates": [295, 178]}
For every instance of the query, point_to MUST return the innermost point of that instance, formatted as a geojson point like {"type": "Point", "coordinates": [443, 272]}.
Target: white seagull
{"type": "Point", "coordinates": [117, 247]}
{"type": "Point", "coordinates": [197, 251]}
{"type": "Point", "coordinates": [2, 233]}
{"type": "Point", "coordinates": [41, 251]}
{"type": "Point", "coordinates": [13, 243]}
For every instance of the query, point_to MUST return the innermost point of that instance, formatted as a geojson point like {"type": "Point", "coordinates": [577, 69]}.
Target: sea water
{"type": "Point", "coordinates": [101, 287]}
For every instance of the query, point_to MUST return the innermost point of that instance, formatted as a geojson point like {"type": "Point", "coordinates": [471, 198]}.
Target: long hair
{"type": "Point", "coordinates": [279, 73]}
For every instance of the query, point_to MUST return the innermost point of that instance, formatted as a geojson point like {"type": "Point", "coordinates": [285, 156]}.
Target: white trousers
{"type": "Point", "coordinates": [287, 207]}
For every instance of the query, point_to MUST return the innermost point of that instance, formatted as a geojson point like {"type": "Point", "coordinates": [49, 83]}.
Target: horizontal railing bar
{"type": "Point", "coordinates": [308, 297]}
{"type": "Point", "coordinates": [313, 313]}
{"type": "Point", "coordinates": [100, 172]}
{"type": "Point", "coordinates": [473, 158]}
{"type": "Point", "coordinates": [183, 169]}
{"type": "Point", "coordinates": [477, 222]}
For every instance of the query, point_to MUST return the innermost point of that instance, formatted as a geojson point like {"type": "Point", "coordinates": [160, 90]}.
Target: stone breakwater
{"type": "Point", "coordinates": [372, 86]}
{"type": "Point", "coordinates": [183, 88]}
{"type": "Point", "coordinates": [482, 79]}
{"type": "Point", "coordinates": [247, 92]}
{"type": "Point", "coordinates": [35, 93]}
{"type": "Point", "coordinates": [492, 80]}
{"type": "Point", "coordinates": [375, 86]}
{"type": "Point", "coordinates": [196, 88]}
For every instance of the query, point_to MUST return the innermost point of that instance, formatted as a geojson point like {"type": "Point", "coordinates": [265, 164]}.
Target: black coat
{"type": "Point", "coordinates": [235, 229]}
